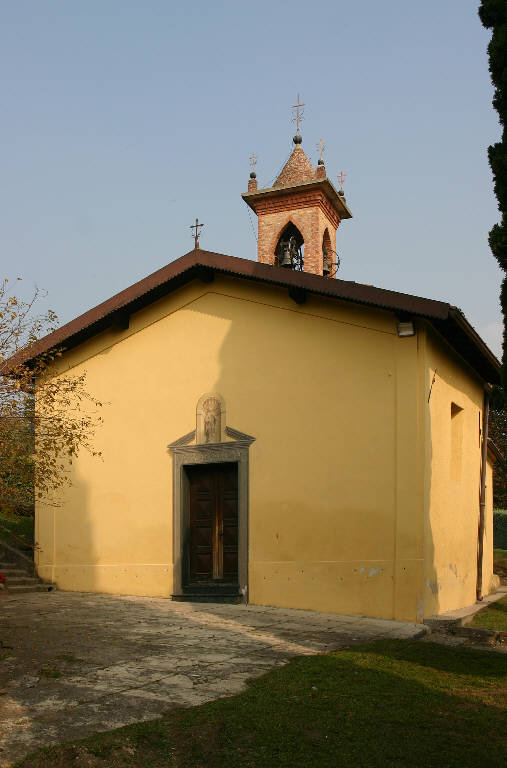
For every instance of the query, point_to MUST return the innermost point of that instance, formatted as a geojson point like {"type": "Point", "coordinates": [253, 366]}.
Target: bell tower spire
{"type": "Point", "coordinates": [298, 216]}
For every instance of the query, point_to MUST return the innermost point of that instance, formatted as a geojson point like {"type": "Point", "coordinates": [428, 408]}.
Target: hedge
{"type": "Point", "coordinates": [500, 528]}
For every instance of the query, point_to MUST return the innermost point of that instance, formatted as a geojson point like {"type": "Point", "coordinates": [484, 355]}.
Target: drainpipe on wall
{"type": "Point", "coordinates": [482, 496]}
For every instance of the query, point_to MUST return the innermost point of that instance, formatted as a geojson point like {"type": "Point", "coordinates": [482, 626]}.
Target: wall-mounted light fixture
{"type": "Point", "coordinates": [406, 329]}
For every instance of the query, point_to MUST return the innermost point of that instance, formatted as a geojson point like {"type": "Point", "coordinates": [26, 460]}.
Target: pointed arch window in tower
{"type": "Point", "coordinates": [289, 251]}
{"type": "Point", "coordinates": [326, 253]}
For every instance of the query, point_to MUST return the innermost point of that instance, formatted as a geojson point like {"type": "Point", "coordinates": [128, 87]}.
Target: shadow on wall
{"type": "Point", "coordinates": [277, 370]}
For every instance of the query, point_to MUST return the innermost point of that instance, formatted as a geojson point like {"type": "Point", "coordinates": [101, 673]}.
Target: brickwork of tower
{"type": "Point", "coordinates": [310, 212]}
{"type": "Point", "coordinates": [302, 196]}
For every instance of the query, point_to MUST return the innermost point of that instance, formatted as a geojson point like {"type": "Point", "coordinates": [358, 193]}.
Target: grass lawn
{"type": "Point", "coordinates": [500, 557]}
{"type": "Point", "coordinates": [493, 617]}
{"type": "Point", "coordinates": [17, 530]}
{"type": "Point", "coordinates": [388, 703]}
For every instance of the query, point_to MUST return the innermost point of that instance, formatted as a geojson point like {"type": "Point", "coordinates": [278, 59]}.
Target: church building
{"type": "Point", "coordinates": [277, 436]}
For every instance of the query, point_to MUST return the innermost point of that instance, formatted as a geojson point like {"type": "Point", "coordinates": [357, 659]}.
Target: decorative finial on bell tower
{"type": "Point", "coordinates": [340, 178]}
{"type": "Point", "coordinates": [252, 181]}
{"type": "Point", "coordinates": [320, 146]}
{"type": "Point", "coordinates": [253, 163]}
{"type": "Point", "coordinates": [298, 117]}
{"type": "Point", "coordinates": [321, 170]}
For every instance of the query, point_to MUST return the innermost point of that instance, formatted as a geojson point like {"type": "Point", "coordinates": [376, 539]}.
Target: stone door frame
{"type": "Point", "coordinates": [185, 455]}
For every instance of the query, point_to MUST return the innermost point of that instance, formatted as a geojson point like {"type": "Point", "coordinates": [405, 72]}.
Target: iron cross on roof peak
{"type": "Point", "coordinates": [299, 114]}
{"type": "Point", "coordinates": [195, 234]}
{"type": "Point", "coordinates": [341, 176]}
{"type": "Point", "coordinates": [321, 146]}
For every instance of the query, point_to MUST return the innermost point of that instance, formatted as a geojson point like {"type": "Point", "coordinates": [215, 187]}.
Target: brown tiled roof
{"type": "Point", "coordinates": [203, 265]}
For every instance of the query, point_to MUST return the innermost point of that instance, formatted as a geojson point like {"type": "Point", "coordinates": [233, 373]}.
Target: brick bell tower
{"type": "Point", "coordinates": [298, 216]}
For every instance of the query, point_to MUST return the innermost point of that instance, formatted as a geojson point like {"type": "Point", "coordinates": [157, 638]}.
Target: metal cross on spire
{"type": "Point", "coordinates": [320, 146]}
{"type": "Point", "coordinates": [299, 114]}
{"type": "Point", "coordinates": [340, 178]}
{"type": "Point", "coordinates": [195, 234]}
{"type": "Point", "coordinates": [253, 161]}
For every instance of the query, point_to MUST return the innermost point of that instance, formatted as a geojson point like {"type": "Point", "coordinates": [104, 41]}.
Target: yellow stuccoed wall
{"type": "Point", "coordinates": [453, 467]}
{"type": "Point", "coordinates": [338, 491]}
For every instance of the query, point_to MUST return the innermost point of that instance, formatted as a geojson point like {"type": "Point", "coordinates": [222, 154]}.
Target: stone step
{"type": "Point", "coordinates": [210, 589]}
{"type": "Point", "coordinates": [13, 572]}
{"type": "Point", "coordinates": [21, 588]}
{"type": "Point", "coordinates": [199, 597]}
{"type": "Point", "coordinates": [21, 579]}
{"type": "Point", "coordinates": [19, 572]}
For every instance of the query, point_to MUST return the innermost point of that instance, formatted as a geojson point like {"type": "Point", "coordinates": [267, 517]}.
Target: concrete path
{"type": "Point", "coordinates": [82, 663]}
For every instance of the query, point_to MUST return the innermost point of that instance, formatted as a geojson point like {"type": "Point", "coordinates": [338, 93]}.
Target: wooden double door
{"type": "Point", "coordinates": [213, 523]}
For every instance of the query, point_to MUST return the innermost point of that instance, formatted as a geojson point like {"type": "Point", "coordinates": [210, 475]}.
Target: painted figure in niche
{"type": "Point", "coordinates": [212, 425]}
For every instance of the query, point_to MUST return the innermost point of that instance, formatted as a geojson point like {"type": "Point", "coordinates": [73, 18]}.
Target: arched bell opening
{"type": "Point", "coordinates": [327, 253]}
{"type": "Point", "coordinates": [289, 251]}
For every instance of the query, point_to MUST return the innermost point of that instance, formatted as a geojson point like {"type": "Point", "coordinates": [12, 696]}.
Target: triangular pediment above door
{"type": "Point", "coordinates": [238, 439]}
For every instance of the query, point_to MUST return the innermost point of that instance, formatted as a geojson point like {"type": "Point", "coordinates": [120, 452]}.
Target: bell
{"type": "Point", "coordinates": [286, 260]}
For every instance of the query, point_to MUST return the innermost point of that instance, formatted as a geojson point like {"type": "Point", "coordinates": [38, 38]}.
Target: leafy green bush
{"type": "Point", "coordinates": [500, 528]}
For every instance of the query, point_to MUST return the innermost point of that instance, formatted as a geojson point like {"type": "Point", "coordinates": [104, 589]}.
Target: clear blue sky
{"type": "Point", "coordinates": [123, 120]}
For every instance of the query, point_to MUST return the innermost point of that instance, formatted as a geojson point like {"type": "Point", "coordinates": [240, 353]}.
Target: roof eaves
{"type": "Point", "coordinates": [324, 286]}
{"type": "Point", "coordinates": [338, 200]}
{"type": "Point", "coordinates": [449, 321]}
{"type": "Point", "coordinates": [457, 316]}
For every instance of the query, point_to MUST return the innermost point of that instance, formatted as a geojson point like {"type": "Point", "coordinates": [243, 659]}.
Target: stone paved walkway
{"type": "Point", "coordinates": [81, 663]}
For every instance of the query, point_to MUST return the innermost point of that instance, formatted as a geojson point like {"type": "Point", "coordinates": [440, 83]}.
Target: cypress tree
{"type": "Point", "coordinates": [493, 14]}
